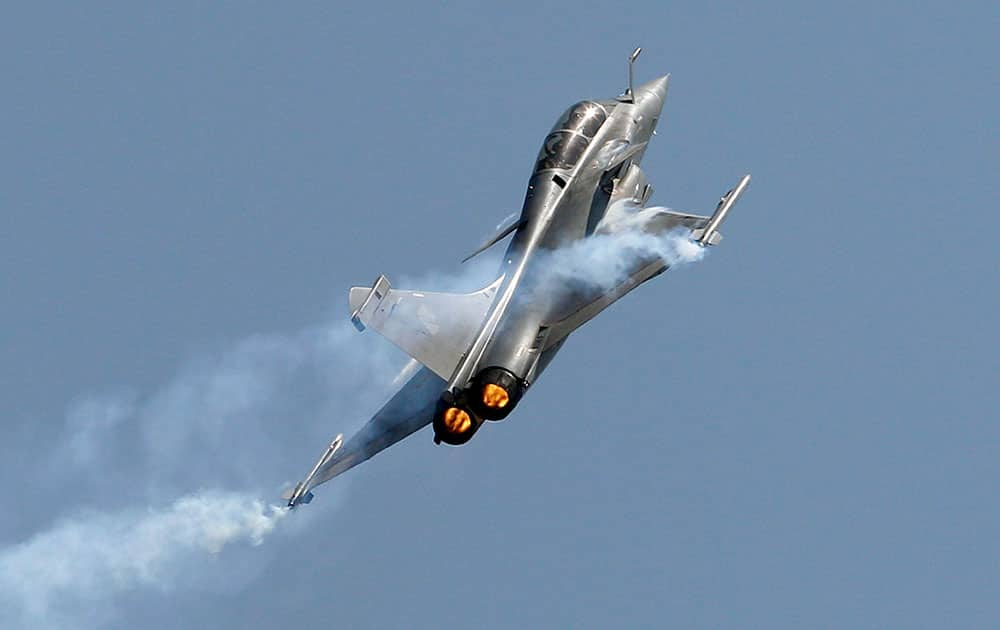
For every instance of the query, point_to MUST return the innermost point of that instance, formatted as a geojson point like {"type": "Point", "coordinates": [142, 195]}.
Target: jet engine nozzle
{"type": "Point", "coordinates": [456, 420]}
{"type": "Point", "coordinates": [494, 393]}
{"type": "Point", "coordinates": [455, 425]}
{"type": "Point", "coordinates": [494, 396]}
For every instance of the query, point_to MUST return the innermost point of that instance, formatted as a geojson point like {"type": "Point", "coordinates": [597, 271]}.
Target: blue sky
{"type": "Point", "coordinates": [800, 431]}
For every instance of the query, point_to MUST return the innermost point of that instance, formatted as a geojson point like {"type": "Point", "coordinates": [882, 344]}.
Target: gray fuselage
{"type": "Point", "coordinates": [590, 155]}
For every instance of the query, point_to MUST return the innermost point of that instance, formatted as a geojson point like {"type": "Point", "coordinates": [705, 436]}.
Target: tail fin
{"type": "Point", "coordinates": [433, 328]}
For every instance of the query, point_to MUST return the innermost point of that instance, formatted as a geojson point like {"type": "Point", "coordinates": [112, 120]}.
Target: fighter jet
{"type": "Point", "coordinates": [477, 354]}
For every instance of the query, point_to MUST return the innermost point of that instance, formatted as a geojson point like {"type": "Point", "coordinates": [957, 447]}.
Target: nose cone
{"type": "Point", "coordinates": [652, 95]}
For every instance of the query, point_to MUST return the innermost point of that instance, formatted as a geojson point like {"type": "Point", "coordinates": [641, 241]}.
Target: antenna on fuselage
{"type": "Point", "coordinates": [629, 95]}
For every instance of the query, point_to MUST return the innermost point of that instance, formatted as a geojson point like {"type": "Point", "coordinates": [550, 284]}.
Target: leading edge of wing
{"type": "Point", "coordinates": [408, 411]}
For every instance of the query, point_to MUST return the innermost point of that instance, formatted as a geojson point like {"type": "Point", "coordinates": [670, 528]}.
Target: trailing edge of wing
{"type": "Point", "coordinates": [408, 411]}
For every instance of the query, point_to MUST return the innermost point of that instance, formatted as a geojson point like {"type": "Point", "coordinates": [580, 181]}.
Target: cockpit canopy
{"type": "Point", "coordinates": [585, 117]}
{"type": "Point", "coordinates": [570, 136]}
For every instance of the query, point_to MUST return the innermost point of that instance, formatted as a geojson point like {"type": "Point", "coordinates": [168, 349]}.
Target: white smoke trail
{"type": "Point", "coordinates": [607, 258]}
{"type": "Point", "coordinates": [63, 577]}
{"type": "Point", "coordinates": [242, 419]}
{"type": "Point", "coordinates": [230, 419]}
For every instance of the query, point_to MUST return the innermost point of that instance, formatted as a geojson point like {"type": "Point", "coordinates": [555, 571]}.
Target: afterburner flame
{"type": "Point", "coordinates": [457, 420]}
{"type": "Point", "coordinates": [494, 396]}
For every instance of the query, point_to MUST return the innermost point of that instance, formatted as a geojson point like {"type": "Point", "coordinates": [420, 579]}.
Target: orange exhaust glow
{"type": "Point", "coordinates": [457, 420]}
{"type": "Point", "coordinates": [495, 397]}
